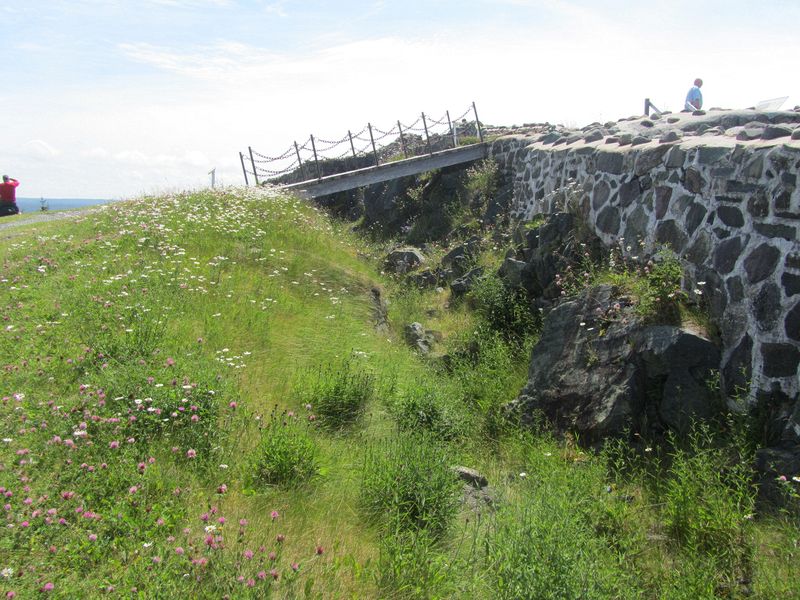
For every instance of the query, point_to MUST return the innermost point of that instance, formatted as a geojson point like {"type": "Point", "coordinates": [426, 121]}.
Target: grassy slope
{"type": "Point", "coordinates": [241, 297]}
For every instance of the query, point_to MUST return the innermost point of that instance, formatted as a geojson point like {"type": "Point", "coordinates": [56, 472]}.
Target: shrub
{"type": "Point", "coordinates": [408, 484]}
{"type": "Point", "coordinates": [708, 500]}
{"type": "Point", "coordinates": [410, 566]}
{"type": "Point", "coordinates": [425, 409]}
{"type": "Point", "coordinates": [504, 310]}
{"type": "Point", "coordinates": [482, 182]}
{"type": "Point", "coordinates": [286, 454]}
{"type": "Point", "coordinates": [341, 393]}
{"type": "Point", "coordinates": [543, 551]}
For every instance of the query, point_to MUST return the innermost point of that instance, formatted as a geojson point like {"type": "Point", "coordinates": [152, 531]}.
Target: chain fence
{"type": "Point", "coordinates": [318, 157]}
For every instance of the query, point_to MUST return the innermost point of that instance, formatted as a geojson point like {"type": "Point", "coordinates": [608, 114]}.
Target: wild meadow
{"type": "Point", "coordinates": [196, 403]}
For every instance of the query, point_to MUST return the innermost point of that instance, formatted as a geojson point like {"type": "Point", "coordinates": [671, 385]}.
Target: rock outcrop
{"type": "Point", "coordinates": [599, 369]}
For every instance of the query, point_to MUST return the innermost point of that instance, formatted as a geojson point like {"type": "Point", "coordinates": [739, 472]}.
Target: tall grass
{"type": "Point", "coordinates": [158, 357]}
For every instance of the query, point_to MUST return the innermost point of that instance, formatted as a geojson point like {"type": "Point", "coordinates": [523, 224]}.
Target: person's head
{"type": "Point", "coordinates": [5, 178]}
{"type": "Point", "coordinates": [698, 82]}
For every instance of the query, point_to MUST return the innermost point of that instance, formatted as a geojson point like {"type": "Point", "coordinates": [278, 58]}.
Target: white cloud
{"type": "Point", "coordinates": [40, 149]}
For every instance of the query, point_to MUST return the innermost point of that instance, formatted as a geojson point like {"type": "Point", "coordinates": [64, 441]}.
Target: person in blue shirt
{"type": "Point", "coordinates": [694, 99]}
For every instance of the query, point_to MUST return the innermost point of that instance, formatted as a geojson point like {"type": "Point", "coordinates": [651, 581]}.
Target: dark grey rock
{"type": "Point", "coordinates": [512, 272]}
{"type": "Point", "coordinates": [646, 123]}
{"type": "Point", "coordinates": [792, 261]}
{"type": "Point", "coordinates": [648, 159]}
{"type": "Point", "coordinates": [608, 220]}
{"type": "Point", "coordinates": [737, 372]}
{"type": "Point", "coordinates": [610, 162]}
{"type": "Point", "coordinates": [734, 186]}
{"type": "Point", "coordinates": [758, 205]}
{"type": "Point", "coordinates": [465, 283]}
{"type": "Point", "coordinates": [670, 136]}
{"type": "Point", "coordinates": [755, 167]}
{"type": "Point", "coordinates": [639, 140]}
{"type": "Point", "coordinates": [730, 216]}
{"type": "Point", "coordinates": [600, 195]}
{"type": "Point", "coordinates": [669, 233]}
{"type": "Point", "coordinates": [460, 258]}
{"type": "Point", "coordinates": [593, 136]}
{"type": "Point", "coordinates": [780, 360]}
{"type": "Point", "coordinates": [699, 250]}
{"type": "Point", "coordinates": [769, 230]}
{"type": "Point", "coordinates": [761, 262]}
{"type": "Point", "coordinates": [625, 139]}
{"type": "Point", "coordinates": [767, 306]}
{"type": "Point", "coordinates": [746, 135]}
{"type": "Point", "coordinates": [676, 157]}
{"type": "Point", "coordinates": [708, 155]}
{"type": "Point", "coordinates": [600, 385]}
{"type": "Point", "coordinates": [694, 216]}
{"type": "Point", "coordinates": [791, 284]}
{"type": "Point", "coordinates": [403, 260]}
{"type": "Point", "coordinates": [471, 476]}
{"type": "Point", "coordinates": [629, 192]}
{"type": "Point", "coordinates": [420, 338]}
{"type": "Point", "coordinates": [693, 181]}
{"type": "Point", "coordinates": [796, 134]}
{"type": "Point", "coordinates": [735, 289]}
{"type": "Point", "coordinates": [698, 113]}
{"type": "Point", "coordinates": [636, 225]}
{"type": "Point", "coordinates": [791, 323]}
{"type": "Point", "coordinates": [549, 138]}
{"type": "Point", "coordinates": [424, 279]}
{"type": "Point", "coordinates": [663, 196]}
{"type": "Point", "coordinates": [727, 253]}
{"type": "Point", "coordinates": [612, 140]}
{"type": "Point", "coordinates": [772, 132]}
{"type": "Point", "coordinates": [683, 361]}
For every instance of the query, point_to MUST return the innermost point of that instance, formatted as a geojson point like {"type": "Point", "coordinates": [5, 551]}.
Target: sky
{"type": "Point", "coordinates": [122, 98]}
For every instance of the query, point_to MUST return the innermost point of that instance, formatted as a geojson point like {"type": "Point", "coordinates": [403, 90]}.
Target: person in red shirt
{"type": "Point", "coordinates": [8, 196]}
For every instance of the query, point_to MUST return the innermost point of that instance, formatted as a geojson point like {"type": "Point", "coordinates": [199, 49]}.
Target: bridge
{"type": "Point", "coordinates": [382, 155]}
{"type": "Point", "coordinates": [350, 180]}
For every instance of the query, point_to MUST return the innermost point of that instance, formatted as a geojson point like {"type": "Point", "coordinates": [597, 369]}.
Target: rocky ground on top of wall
{"type": "Point", "coordinates": [740, 125]}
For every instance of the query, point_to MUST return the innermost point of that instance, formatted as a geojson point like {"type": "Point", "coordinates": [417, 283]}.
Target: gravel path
{"type": "Point", "coordinates": [41, 217]}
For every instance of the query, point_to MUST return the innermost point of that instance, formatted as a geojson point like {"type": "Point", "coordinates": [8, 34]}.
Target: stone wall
{"type": "Point", "coordinates": [729, 207]}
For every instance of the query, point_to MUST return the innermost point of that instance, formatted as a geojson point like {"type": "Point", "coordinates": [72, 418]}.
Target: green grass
{"type": "Point", "coordinates": [195, 404]}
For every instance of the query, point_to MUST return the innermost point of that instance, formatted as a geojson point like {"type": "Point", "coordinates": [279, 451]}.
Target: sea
{"type": "Point", "coordinates": [27, 205]}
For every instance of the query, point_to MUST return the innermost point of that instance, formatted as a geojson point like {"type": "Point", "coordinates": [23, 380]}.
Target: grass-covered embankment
{"type": "Point", "coordinates": [195, 403]}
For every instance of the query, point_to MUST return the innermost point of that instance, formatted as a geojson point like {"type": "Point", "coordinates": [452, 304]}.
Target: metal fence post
{"type": "Point", "coordinates": [241, 158]}
{"type": "Point", "coordinates": [402, 139]}
{"type": "Point", "coordinates": [647, 107]}
{"type": "Point", "coordinates": [300, 163]}
{"type": "Point", "coordinates": [253, 162]}
{"type": "Point", "coordinates": [477, 123]}
{"type": "Point", "coordinates": [352, 147]}
{"type": "Point", "coordinates": [316, 162]}
{"type": "Point", "coordinates": [427, 137]}
{"type": "Point", "coordinates": [372, 139]}
{"type": "Point", "coordinates": [450, 125]}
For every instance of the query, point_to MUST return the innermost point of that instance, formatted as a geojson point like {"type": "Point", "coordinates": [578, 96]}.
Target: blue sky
{"type": "Point", "coordinates": [115, 98]}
